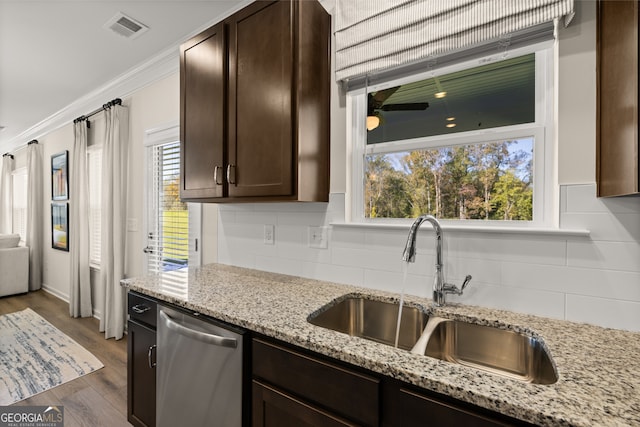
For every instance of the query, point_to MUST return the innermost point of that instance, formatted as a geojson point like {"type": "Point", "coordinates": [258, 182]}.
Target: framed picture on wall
{"type": "Point", "coordinates": [60, 176]}
{"type": "Point", "coordinates": [60, 226]}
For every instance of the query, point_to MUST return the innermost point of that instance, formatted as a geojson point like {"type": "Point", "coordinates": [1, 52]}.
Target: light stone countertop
{"type": "Point", "coordinates": [598, 368]}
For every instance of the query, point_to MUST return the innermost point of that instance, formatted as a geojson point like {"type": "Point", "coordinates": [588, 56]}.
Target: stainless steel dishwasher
{"type": "Point", "coordinates": [199, 372]}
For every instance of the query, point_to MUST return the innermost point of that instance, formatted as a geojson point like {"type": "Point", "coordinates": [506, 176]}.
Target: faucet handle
{"type": "Point", "coordinates": [465, 283]}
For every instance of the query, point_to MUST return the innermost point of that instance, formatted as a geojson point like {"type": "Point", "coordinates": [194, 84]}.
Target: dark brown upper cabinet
{"type": "Point", "coordinates": [254, 106]}
{"type": "Point", "coordinates": [617, 99]}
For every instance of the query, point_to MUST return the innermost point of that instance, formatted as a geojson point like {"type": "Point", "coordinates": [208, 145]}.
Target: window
{"type": "Point", "coordinates": [172, 226]}
{"type": "Point", "coordinates": [19, 194]}
{"type": "Point", "coordinates": [94, 167]}
{"type": "Point", "coordinates": [464, 142]}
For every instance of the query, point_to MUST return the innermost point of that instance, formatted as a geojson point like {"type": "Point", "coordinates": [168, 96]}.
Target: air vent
{"type": "Point", "coordinates": [126, 26]}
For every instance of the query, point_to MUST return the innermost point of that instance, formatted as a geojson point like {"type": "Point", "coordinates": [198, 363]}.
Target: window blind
{"type": "Point", "coordinates": [19, 195]}
{"type": "Point", "coordinates": [376, 35]}
{"type": "Point", "coordinates": [94, 166]}
{"type": "Point", "coordinates": [168, 239]}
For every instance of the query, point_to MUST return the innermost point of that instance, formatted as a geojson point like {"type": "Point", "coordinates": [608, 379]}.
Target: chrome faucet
{"type": "Point", "coordinates": [440, 287]}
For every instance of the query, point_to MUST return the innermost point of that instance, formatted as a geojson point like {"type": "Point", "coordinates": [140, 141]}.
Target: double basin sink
{"type": "Point", "coordinates": [499, 351]}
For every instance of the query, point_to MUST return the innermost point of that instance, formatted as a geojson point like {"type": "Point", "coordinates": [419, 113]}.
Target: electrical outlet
{"type": "Point", "coordinates": [318, 237]}
{"type": "Point", "coordinates": [269, 234]}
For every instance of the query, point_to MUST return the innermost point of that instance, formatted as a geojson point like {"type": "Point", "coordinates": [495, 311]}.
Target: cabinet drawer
{"type": "Point", "coordinates": [142, 309]}
{"type": "Point", "coordinates": [347, 393]}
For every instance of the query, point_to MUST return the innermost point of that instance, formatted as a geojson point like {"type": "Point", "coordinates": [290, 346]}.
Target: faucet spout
{"type": "Point", "coordinates": [409, 254]}
{"type": "Point", "coordinates": [440, 288]}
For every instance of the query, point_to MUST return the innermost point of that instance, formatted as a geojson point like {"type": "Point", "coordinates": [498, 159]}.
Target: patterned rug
{"type": "Point", "coordinates": [35, 356]}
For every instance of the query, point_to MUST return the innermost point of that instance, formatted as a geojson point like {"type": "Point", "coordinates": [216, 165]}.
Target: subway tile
{"type": "Point", "coordinates": [294, 245]}
{"type": "Point", "coordinates": [529, 301]}
{"type": "Point", "coordinates": [623, 256]}
{"type": "Point", "coordinates": [485, 271]}
{"type": "Point", "coordinates": [251, 217]}
{"type": "Point", "coordinates": [582, 198]}
{"type": "Point", "coordinates": [299, 208]}
{"type": "Point", "coordinates": [227, 215]}
{"type": "Point", "coordinates": [333, 273]}
{"type": "Point", "coordinates": [307, 219]}
{"type": "Point", "coordinates": [278, 265]}
{"type": "Point", "coordinates": [622, 285]}
{"type": "Point", "coordinates": [369, 259]}
{"type": "Point", "coordinates": [535, 250]}
{"type": "Point", "coordinates": [620, 227]}
{"type": "Point", "coordinates": [343, 237]}
{"type": "Point", "coordinates": [605, 312]}
{"type": "Point", "coordinates": [394, 282]}
{"type": "Point", "coordinates": [387, 240]}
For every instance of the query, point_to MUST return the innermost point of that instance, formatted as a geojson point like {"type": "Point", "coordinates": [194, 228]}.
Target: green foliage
{"type": "Point", "coordinates": [480, 181]}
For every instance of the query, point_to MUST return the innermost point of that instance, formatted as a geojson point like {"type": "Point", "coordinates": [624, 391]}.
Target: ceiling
{"type": "Point", "coordinates": [54, 52]}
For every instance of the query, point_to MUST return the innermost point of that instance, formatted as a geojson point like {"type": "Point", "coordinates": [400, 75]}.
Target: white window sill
{"type": "Point", "coordinates": [459, 228]}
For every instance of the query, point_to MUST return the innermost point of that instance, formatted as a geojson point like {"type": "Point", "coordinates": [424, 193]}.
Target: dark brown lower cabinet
{"type": "Point", "coordinates": [409, 407]}
{"type": "Point", "coordinates": [274, 408]}
{"type": "Point", "coordinates": [313, 385]}
{"type": "Point", "coordinates": [295, 387]}
{"type": "Point", "coordinates": [141, 375]}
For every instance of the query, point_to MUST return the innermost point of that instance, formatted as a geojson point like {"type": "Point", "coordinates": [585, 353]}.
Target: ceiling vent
{"type": "Point", "coordinates": [126, 26]}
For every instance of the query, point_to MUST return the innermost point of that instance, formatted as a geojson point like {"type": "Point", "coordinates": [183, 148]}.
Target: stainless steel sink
{"type": "Point", "coordinates": [503, 352]}
{"type": "Point", "coordinates": [373, 320]}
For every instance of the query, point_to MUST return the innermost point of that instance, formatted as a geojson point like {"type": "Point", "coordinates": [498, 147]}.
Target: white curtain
{"type": "Point", "coordinates": [372, 35]}
{"type": "Point", "coordinates": [6, 199]}
{"type": "Point", "coordinates": [35, 212]}
{"type": "Point", "coordinates": [80, 294]}
{"type": "Point", "coordinates": [113, 219]}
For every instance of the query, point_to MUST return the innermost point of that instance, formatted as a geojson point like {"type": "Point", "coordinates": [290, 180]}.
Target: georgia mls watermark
{"type": "Point", "coordinates": [31, 416]}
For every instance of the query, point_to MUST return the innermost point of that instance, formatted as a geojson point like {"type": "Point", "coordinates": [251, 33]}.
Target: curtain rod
{"type": "Point", "coordinates": [33, 141]}
{"type": "Point", "coordinates": [106, 106]}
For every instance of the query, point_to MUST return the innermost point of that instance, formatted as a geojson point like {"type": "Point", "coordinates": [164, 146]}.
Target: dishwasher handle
{"type": "Point", "coordinates": [197, 335]}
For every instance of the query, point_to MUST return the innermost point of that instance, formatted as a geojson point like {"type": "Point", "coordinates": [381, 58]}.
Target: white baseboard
{"type": "Point", "coordinates": [56, 293]}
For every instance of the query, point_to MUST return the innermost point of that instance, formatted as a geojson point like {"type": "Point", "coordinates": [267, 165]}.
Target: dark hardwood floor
{"type": "Point", "coordinates": [96, 399]}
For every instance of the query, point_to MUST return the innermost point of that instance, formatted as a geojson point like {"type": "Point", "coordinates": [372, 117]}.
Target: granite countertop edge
{"type": "Point", "coordinates": [599, 377]}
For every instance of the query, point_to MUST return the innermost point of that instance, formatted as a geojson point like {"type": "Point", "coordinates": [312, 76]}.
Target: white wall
{"type": "Point", "coordinates": [150, 107]}
{"type": "Point", "coordinates": [594, 279]}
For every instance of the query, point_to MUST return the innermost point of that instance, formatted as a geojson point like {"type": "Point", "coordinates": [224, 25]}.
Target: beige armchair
{"type": "Point", "coordinates": [14, 266]}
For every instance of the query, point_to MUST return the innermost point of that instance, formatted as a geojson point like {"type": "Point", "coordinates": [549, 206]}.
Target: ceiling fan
{"type": "Point", "coordinates": [376, 104]}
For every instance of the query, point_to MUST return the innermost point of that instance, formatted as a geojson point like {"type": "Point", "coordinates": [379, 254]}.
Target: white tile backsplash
{"type": "Point", "coordinates": [594, 279]}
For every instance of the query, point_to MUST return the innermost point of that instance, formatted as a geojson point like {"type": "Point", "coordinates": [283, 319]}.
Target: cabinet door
{"type": "Point", "coordinates": [408, 408]}
{"type": "Point", "coordinates": [260, 100]}
{"type": "Point", "coordinates": [273, 408]}
{"type": "Point", "coordinates": [141, 378]}
{"type": "Point", "coordinates": [202, 106]}
{"type": "Point", "coordinates": [617, 92]}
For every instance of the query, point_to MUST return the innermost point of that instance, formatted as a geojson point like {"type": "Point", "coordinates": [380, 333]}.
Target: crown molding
{"type": "Point", "coordinates": [158, 67]}
{"type": "Point", "coordinates": [136, 78]}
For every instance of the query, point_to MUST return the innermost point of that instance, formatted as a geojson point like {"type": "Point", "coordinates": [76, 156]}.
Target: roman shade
{"type": "Point", "coordinates": [376, 35]}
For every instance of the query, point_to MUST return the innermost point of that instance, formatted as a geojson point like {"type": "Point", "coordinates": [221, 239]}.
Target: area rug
{"type": "Point", "coordinates": [35, 356]}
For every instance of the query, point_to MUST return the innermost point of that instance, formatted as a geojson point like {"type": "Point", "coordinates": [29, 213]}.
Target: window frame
{"type": "Point", "coordinates": [545, 205]}
{"type": "Point", "coordinates": [24, 174]}
{"type": "Point", "coordinates": [91, 150]}
{"type": "Point", "coordinates": [167, 133]}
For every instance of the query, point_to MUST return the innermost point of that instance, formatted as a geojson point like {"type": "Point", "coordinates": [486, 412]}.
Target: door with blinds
{"type": "Point", "coordinates": [173, 227]}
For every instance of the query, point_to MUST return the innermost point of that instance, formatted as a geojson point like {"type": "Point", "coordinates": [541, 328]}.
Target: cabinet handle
{"type": "Point", "coordinates": [216, 175]}
{"type": "Point", "coordinates": [152, 364]}
{"type": "Point", "coordinates": [231, 174]}
{"type": "Point", "coordinates": [140, 308]}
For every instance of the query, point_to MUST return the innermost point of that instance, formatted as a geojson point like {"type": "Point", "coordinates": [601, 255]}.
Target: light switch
{"type": "Point", "coordinates": [318, 237]}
